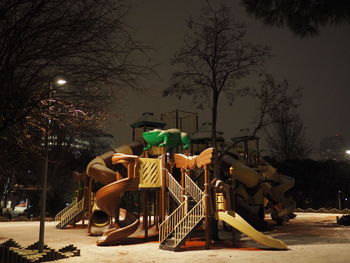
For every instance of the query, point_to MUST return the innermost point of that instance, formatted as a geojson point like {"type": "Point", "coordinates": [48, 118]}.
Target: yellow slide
{"type": "Point", "coordinates": [236, 221]}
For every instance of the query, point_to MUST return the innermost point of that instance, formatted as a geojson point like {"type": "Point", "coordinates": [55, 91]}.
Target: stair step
{"type": "Point", "coordinates": [169, 242]}
{"type": "Point", "coordinates": [165, 247]}
{"type": "Point", "coordinates": [194, 221]}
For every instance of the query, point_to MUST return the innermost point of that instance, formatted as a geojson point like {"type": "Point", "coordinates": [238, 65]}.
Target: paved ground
{"type": "Point", "coordinates": [310, 238]}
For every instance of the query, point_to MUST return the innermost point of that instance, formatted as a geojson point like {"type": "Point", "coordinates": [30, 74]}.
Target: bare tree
{"type": "Point", "coordinates": [87, 41]}
{"type": "Point", "coordinates": [214, 58]}
{"type": "Point", "coordinates": [286, 137]}
{"type": "Point", "coordinates": [269, 96]}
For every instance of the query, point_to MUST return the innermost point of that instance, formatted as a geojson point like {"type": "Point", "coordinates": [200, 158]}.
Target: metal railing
{"type": "Point", "coordinates": [64, 210]}
{"type": "Point", "coordinates": [193, 189]}
{"type": "Point", "coordinates": [71, 213]}
{"type": "Point", "coordinates": [181, 222]}
{"type": "Point", "coordinates": [185, 226]}
{"type": "Point", "coordinates": [169, 224]}
{"type": "Point", "coordinates": [174, 187]}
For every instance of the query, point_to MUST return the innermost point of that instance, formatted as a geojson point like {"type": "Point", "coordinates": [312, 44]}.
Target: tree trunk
{"type": "Point", "coordinates": [214, 223]}
{"type": "Point", "coordinates": [216, 172]}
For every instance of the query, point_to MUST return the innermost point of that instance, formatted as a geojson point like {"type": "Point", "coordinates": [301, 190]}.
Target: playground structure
{"type": "Point", "coordinates": [258, 184]}
{"type": "Point", "coordinates": [173, 195]}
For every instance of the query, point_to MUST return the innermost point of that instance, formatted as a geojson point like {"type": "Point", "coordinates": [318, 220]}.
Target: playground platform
{"type": "Point", "coordinates": [311, 237]}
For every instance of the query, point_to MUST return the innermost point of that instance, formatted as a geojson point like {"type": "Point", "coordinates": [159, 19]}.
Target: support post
{"type": "Point", "coordinates": [183, 184]}
{"type": "Point", "coordinates": [90, 199]}
{"type": "Point", "coordinates": [86, 200]}
{"type": "Point", "coordinates": [89, 205]}
{"type": "Point", "coordinates": [145, 213]}
{"type": "Point", "coordinates": [138, 207]}
{"type": "Point", "coordinates": [162, 210]}
{"type": "Point", "coordinates": [233, 204]}
{"type": "Point", "coordinates": [157, 210]}
{"type": "Point", "coordinates": [206, 202]}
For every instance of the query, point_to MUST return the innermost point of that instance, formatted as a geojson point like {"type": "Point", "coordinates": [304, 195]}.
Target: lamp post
{"type": "Point", "coordinates": [58, 81]}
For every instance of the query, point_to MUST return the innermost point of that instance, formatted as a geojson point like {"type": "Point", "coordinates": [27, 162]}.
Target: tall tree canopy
{"type": "Point", "coordinates": [304, 18]}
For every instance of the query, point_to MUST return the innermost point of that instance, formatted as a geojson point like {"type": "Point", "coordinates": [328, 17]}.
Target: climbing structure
{"type": "Point", "coordinates": [177, 194]}
{"type": "Point", "coordinates": [195, 206]}
{"type": "Point", "coordinates": [193, 202]}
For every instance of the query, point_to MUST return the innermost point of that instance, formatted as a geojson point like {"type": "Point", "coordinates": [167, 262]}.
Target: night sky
{"type": "Point", "coordinates": [319, 64]}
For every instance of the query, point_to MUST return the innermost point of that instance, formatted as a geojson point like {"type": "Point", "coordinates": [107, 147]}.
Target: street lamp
{"type": "Point", "coordinates": [59, 82]}
{"type": "Point", "coordinates": [347, 152]}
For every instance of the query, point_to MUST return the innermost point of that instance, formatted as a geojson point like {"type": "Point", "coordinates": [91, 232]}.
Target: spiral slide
{"type": "Point", "coordinates": [236, 221]}
{"type": "Point", "coordinates": [108, 200]}
{"type": "Point", "coordinates": [102, 170]}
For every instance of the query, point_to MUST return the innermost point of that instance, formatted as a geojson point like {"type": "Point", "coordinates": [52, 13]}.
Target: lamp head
{"type": "Point", "coordinates": [61, 81]}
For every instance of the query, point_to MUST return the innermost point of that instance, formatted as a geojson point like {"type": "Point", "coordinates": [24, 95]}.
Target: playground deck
{"type": "Point", "coordinates": [310, 237]}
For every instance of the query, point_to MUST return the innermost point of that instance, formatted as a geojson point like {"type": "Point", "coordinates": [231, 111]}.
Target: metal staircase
{"type": "Point", "coordinates": [192, 189]}
{"type": "Point", "coordinates": [64, 210]}
{"type": "Point", "coordinates": [174, 187]}
{"type": "Point", "coordinates": [71, 213]}
{"type": "Point", "coordinates": [177, 227]}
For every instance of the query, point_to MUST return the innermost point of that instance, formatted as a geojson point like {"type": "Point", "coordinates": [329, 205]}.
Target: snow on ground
{"type": "Point", "coordinates": [310, 237]}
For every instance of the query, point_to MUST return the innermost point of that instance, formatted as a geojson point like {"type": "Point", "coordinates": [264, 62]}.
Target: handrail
{"type": "Point", "coordinates": [169, 224]}
{"type": "Point", "coordinates": [174, 187]}
{"type": "Point", "coordinates": [72, 212]}
{"type": "Point", "coordinates": [64, 210]}
{"type": "Point", "coordinates": [181, 222]}
{"type": "Point", "coordinates": [193, 189]}
{"type": "Point", "coordinates": [191, 219]}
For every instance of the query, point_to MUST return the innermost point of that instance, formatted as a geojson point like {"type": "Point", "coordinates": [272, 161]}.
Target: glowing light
{"type": "Point", "coordinates": [347, 152]}
{"type": "Point", "coordinates": [61, 81]}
